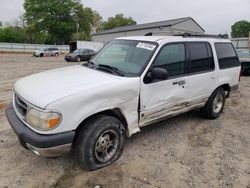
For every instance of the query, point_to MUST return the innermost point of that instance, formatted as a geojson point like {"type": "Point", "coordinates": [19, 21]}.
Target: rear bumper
{"type": "Point", "coordinates": [43, 145]}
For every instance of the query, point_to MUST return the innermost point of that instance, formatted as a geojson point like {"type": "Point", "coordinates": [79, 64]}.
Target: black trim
{"type": "Point", "coordinates": [26, 135]}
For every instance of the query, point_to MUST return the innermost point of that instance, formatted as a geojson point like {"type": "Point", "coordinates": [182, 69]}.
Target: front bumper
{"type": "Point", "coordinates": [43, 145]}
{"type": "Point", "coordinates": [69, 58]}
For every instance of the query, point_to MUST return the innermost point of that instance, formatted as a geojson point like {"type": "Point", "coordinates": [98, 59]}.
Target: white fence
{"type": "Point", "coordinates": [22, 47]}
{"type": "Point", "coordinates": [240, 42]}
{"type": "Point", "coordinates": [28, 48]}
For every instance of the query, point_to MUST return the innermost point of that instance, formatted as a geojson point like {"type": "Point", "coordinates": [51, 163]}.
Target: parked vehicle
{"type": "Point", "coordinates": [80, 55]}
{"type": "Point", "coordinates": [132, 82]}
{"type": "Point", "coordinates": [46, 52]}
{"type": "Point", "coordinates": [244, 56]}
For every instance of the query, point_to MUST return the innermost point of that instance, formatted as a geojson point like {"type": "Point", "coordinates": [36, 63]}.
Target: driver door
{"type": "Point", "coordinates": [161, 98]}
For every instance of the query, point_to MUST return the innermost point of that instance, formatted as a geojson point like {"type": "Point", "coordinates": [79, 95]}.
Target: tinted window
{"type": "Point", "coordinates": [201, 57]}
{"type": "Point", "coordinates": [226, 55]}
{"type": "Point", "coordinates": [172, 58]}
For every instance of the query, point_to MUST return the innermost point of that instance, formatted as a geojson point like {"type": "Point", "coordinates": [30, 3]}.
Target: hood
{"type": "Point", "coordinates": [44, 88]}
{"type": "Point", "coordinates": [244, 59]}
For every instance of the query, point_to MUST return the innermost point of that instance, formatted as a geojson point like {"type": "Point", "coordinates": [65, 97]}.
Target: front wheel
{"type": "Point", "coordinates": [214, 105]}
{"type": "Point", "coordinates": [100, 142]}
{"type": "Point", "coordinates": [78, 59]}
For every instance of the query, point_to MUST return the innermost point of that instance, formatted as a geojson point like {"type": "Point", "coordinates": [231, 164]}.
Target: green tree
{"type": "Point", "coordinates": [240, 29]}
{"type": "Point", "coordinates": [12, 34]}
{"type": "Point", "coordinates": [57, 19]}
{"type": "Point", "coordinates": [117, 21]}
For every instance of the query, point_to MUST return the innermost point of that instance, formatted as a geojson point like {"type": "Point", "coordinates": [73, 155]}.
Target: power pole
{"type": "Point", "coordinates": [77, 28]}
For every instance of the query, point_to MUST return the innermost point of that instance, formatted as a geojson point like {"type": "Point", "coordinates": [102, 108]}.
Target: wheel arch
{"type": "Point", "coordinates": [227, 89]}
{"type": "Point", "coordinates": [116, 112]}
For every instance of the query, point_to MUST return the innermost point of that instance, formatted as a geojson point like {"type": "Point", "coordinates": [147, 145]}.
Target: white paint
{"type": "Point", "coordinates": [78, 92]}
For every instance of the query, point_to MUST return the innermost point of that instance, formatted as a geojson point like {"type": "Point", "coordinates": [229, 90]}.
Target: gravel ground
{"type": "Point", "coordinates": [185, 151]}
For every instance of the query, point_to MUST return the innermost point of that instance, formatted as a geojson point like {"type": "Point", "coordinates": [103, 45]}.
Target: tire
{"type": "Point", "coordinates": [78, 59]}
{"type": "Point", "coordinates": [99, 136]}
{"type": "Point", "coordinates": [41, 55]}
{"type": "Point", "coordinates": [214, 105]}
{"type": "Point", "coordinates": [56, 54]}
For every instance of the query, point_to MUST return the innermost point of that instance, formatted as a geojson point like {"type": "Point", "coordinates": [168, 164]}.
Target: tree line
{"type": "Point", "coordinates": [61, 21]}
{"type": "Point", "coordinates": [58, 22]}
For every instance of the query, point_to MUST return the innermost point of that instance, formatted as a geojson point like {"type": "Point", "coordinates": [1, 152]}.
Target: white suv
{"type": "Point", "coordinates": [132, 82]}
{"type": "Point", "coordinates": [46, 52]}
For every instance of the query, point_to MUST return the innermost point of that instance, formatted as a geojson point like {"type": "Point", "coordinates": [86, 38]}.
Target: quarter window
{"type": "Point", "coordinates": [201, 57]}
{"type": "Point", "coordinates": [172, 58]}
{"type": "Point", "coordinates": [226, 55]}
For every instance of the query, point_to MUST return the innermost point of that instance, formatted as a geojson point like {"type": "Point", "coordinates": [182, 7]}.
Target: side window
{"type": "Point", "coordinates": [172, 58]}
{"type": "Point", "coordinates": [226, 55]}
{"type": "Point", "coordinates": [201, 57]}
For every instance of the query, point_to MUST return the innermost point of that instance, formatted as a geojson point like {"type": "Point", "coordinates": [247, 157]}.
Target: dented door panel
{"type": "Point", "coordinates": [161, 99]}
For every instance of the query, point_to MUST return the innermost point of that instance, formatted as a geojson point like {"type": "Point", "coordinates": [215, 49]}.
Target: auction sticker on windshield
{"type": "Point", "coordinates": [145, 46]}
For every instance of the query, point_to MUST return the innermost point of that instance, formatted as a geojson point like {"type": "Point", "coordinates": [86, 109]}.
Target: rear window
{"type": "Point", "coordinates": [201, 57]}
{"type": "Point", "coordinates": [227, 56]}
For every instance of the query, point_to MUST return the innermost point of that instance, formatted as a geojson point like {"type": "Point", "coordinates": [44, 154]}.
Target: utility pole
{"type": "Point", "coordinates": [77, 28]}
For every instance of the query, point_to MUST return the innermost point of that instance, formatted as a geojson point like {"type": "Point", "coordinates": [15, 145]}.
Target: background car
{"type": "Point", "coordinates": [46, 52]}
{"type": "Point", "coordinates": [80, 55]}
{"type": "Point", "coordinates": [244, 56]}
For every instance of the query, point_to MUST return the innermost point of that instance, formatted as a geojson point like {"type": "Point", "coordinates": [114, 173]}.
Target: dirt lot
{"type": "Point", "coordinates": [186, 151]}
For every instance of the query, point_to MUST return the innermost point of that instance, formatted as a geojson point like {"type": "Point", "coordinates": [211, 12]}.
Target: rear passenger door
{"type": "Point", "coordinates": [202, 75]}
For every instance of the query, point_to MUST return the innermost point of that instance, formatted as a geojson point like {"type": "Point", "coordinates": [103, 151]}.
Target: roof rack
{"type": "Point", "coordinates": [185, 35]}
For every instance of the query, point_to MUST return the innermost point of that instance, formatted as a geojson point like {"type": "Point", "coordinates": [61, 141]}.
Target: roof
{"type": "Point", "coordinates": [147, 26]}
{"type": "Point", "coordinates": [160, 39]}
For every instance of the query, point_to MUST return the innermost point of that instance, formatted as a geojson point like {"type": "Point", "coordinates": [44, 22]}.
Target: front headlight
{"type": "Point", "coordinates": [42, 120]}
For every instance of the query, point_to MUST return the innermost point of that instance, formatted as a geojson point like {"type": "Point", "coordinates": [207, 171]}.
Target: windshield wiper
{"type": "Point", "coordinates": [110, 69]}
{"type": "Point", "coordinates": [91, 64]}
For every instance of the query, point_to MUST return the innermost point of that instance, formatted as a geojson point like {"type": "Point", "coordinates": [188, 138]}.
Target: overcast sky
{"type": "Point", "coordinates": [215, 16]}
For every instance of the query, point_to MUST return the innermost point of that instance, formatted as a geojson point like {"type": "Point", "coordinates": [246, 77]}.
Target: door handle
{"type": "Point", "coordinates": [181, 82]}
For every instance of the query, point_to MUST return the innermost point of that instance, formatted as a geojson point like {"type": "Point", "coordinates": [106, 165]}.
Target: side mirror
{"type": "Point", "coordinates": [158, 73]}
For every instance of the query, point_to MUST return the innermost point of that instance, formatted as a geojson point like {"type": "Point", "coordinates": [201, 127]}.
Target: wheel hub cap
{"type": "Point", "coordinates": [106, 146]}
{"type": "Point", "coordinates": [218, 103]}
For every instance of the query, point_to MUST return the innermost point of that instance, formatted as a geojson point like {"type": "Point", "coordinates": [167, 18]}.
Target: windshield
{"type": "Point", "coordinates": [126, 56]}
{"type": "Point", "coordinates": [243, 54]}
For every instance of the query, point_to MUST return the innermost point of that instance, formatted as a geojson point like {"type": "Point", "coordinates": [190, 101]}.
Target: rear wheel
{"type": "Point", "coordinates": [41, 54]}
{"type": "Point", "coordinates": [215, 104]}
{"type": "Point", "coordinates": [100, 142]}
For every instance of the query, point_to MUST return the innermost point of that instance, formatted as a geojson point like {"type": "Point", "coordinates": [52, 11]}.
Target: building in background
{"type": "Point", "coordinates": [168, 27]}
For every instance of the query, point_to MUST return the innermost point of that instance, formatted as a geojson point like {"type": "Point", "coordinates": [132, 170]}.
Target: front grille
{"type": "Point", "coordinates": [21, 106]}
